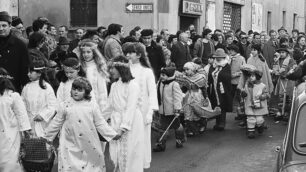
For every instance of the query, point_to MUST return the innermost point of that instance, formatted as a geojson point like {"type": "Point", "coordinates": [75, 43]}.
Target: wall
{"type": "Point", "coordinates": [57, 11]}
{"type": "Point", "coordinates": [113, 11]}
{"type": "Point", "coordinates": [11, 6]}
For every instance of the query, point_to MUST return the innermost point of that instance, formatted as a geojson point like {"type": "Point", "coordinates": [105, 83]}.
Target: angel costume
{"type": "Point", "coordinates": [13, 119]}
{"type": "Point", "coordinates": [123, 108]}
{"type": "Point", "coordinates": [41, 102]}
{"type": "Point", "coordinates": [148, 103]}
{"type": "Point", "coordinates": [80, 148]}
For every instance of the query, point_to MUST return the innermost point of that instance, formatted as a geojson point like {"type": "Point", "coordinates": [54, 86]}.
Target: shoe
{"type": "Point", "coordinates": [190, 134]}
{"type": "Point", "coordinates": [178, 144]}
{"type": "Point", "coordinates": [251, 134]}
{"type": "Point", "coordinates": [218, 128]}
{"type": "Point", "coordinates": [239, 117]}
{"type": "Point", "coordinates": [159, 147]}
{"type": "Point", "coordinates": [261, 129]}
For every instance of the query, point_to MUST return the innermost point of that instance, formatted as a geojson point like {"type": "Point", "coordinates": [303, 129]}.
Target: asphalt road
{"type": "Point", "coordinates": [227, 151]}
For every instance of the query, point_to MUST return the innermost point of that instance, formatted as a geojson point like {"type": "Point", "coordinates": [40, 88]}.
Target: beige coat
{"type": "Point", "coordinates": [254, 93]}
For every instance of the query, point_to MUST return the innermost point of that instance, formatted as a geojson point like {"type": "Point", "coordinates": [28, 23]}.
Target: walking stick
{"type": "Point", "coordinates": [161, 138]}
{"type": "Point", "coordinates": [285, 95]}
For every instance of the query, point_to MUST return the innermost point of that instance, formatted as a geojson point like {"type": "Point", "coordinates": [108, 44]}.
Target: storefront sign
{"type": "Point", "coordinates": [241, 2]}
{"type": "Point", "coordinates": [139, 7]}
{"type": "Point", "coordinates": [192, 8]}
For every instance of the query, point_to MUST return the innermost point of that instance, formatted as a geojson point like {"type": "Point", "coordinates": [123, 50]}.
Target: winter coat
{"type": "Point", "coordinates": [236, 62]}
{"type": "Point", "coordinates": [268, 51]}
{"type": "Point", "coordinates": [180, 54]}
{"type": "Point", "coordinates": [221, 88]}
{"type": "Point", "coordinates": [15, 59]}
{"type": "Point", "coordinates": [156, 58]}
{"type": "Point", "coordinates": [112, 48]}
{"type": "Point", "coordinates": [198, 50]}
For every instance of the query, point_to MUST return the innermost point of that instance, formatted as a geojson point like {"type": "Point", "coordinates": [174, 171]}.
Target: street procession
{"type": "Point", "coordinates": [153, 86]}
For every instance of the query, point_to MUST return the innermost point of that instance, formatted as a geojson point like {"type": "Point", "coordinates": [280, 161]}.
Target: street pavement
{"type": "Point", "coordinates": [226, 151]}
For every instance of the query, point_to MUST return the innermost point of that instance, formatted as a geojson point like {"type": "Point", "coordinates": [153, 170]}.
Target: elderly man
{"type": "Point", "coordinates": [13, 52]}
{"type": "Point", "coordinates": [180, 53]}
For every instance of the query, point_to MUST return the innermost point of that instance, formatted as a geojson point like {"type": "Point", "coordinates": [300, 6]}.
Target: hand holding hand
{"type": "Point", "coordinates": [243, 93]}
{"type": "Point", "coordinates": [206, 102]}
{"type": "Point", "coordinates": [27, 133]}
{"type": "Point", "coordinates": [262, 97]}
{"type": "Point", "coordinates": [117, 137]}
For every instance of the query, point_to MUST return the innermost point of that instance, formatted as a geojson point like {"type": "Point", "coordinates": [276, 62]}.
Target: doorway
{"type": "Point", "coordinates": [185, 22]}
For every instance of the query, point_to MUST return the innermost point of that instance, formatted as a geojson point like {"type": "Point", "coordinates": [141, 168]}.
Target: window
{"type": "Point", "coordinates": [231, 17]}
{"type": "Point", "coordinates": [83, 13]}
{"type": "Point", "coordinates": [294, 20]}
{"type": "Point", "coordinates": [269, 20]}
{"type": "Point", "coordinates": [284, 18]}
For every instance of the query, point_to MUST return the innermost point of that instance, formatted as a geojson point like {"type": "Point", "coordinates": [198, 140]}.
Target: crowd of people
{"type": "Point", "coordinates": [100, 93]}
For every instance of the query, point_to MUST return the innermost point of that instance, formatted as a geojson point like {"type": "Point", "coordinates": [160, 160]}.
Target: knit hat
{"type": "Point", "coordinates": [190, 65]}
{"type": "Point", "coordinates": [282, 28]}
{"type": "Point", "coordinates": [146, 32]}
{"type": "Point", "coordinates": [16, 21]}
{"type": "Point", "coordinates": [283, 48]}
{"type": "Point", "coordinates": [169, 71]}
{"type": "Point", "coordinates": [4, 16]}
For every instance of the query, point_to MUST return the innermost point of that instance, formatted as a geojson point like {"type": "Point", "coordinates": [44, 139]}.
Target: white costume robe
{"type": "Point", "coordinates": [148, 103]}
{"type": "Point", "coordinates": [41, 102]}
{"type": "Point", "coordinates": [98, 83]}
{"type": "Point", "coordinates": [13, 119]}
{"type": "Point", "coordinates": [63, 92]}
{"type": "Point", "coordinates": [123, 108]}
{"type": "Point", "coordinates": [80, 148]}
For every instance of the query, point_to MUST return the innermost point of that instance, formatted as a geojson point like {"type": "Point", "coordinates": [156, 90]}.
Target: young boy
{"type": "Point", "coordinates": [170, 99]}
{"type": "Point", "coordinates": [256, 95]}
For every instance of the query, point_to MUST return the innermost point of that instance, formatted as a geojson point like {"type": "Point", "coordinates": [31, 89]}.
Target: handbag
{"type": "Point", "coordinates": [35, 155]}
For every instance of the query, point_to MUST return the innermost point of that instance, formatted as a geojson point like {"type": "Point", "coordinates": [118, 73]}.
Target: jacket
{"type": "Point", "coordinates": [15, 59]}
{"type": "Point", "coordinates": [269, 51]}
{"type": "Point", "coordinates": [112, 48]}
{"type": "Point", "coordinates": [156, 58]}
{"type": "Point", "coordinates": [171, 98]}
{"type": "Point", "coordinates": [198, 50]}
{"type": "Point", "coordinates": [180, 54]}
{"type": "Point", "coordinates": [252, 93]}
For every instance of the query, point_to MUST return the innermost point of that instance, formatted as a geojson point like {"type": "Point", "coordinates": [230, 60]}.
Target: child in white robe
{"type": "Point", "coordinates": [126, 118]}
{"type": "Point", "coordinates": [141, 70]}
{"type": "Point", "coordinates": [13, 120]}
{"type": "Point", "coordinates": [39, 98]}
{"type": "Point", "coordinates": [72, 69]}
{"type": "Point", "coordinates": [80, 148]}
{"type": "Point", "coordinates": [95, 67]}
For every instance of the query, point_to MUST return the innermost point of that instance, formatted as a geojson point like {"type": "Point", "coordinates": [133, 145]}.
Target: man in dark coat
{"type": "Point", "coordinates": [180, 53]}
{"type": "Point", "coordinates": [155, 52]}
{"type": "Point", "coordinates": [13, 53]}
{"type": "Point", "coordinates": [221, 92]}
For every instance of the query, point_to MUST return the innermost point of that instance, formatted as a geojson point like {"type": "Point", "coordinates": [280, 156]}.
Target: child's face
{"type": "Point", "coordinates": [252, 78]}
{"type": "Point", "coordinates": [163, 77]}
{"type": "Point", "coordinates": [210, 60]}
{"type": "Point", "coordinates": [283, 54]}
{"type": "Point", "coordinates": [33, 75]}
{"type": "Point", "coordinates": [188, 72]}
{"type": "Point", "coordinates": [71, 73]}
{"type": "Point", "coordinates": [114, 73]}
{"type": "Point", "coordinates": [87, 54]}
{"type": "Point", "coordinates": [133, 57]}
{"type": "Point", "coordinates": [77, 94]}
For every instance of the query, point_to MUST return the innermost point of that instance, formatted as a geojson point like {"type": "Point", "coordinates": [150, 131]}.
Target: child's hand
{"type": "Point", "coordinates": [38, 118]}
{"type": "Point", "coordinates": [262, 97]}
{"type": "Point", "coordinates": [206, 102]}
{"type": "Point", "coordinates": [27, 133]}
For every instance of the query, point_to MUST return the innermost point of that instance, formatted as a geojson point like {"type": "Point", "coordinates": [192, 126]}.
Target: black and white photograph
{"type": "Point", "coordinates": [152, 86]}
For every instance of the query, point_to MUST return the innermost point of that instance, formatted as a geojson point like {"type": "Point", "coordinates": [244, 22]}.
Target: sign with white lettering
{"type": "Point", "coordinates": [139, 7]}
{"type": "Point", "coordinates": [193, 8]}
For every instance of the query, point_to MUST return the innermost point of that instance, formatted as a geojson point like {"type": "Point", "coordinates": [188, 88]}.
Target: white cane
{"type": "Point", "coordinates": [161, 138]}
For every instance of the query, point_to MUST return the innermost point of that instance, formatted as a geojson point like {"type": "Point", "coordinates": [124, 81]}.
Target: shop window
{"type": "Point", "coordinates": [83, 13]}
{"type": "Point", "coordinates": [231, 17]}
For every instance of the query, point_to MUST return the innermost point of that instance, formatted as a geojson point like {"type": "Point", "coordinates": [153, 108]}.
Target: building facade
{"type": "Point", "coordinates": [258, 15]}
